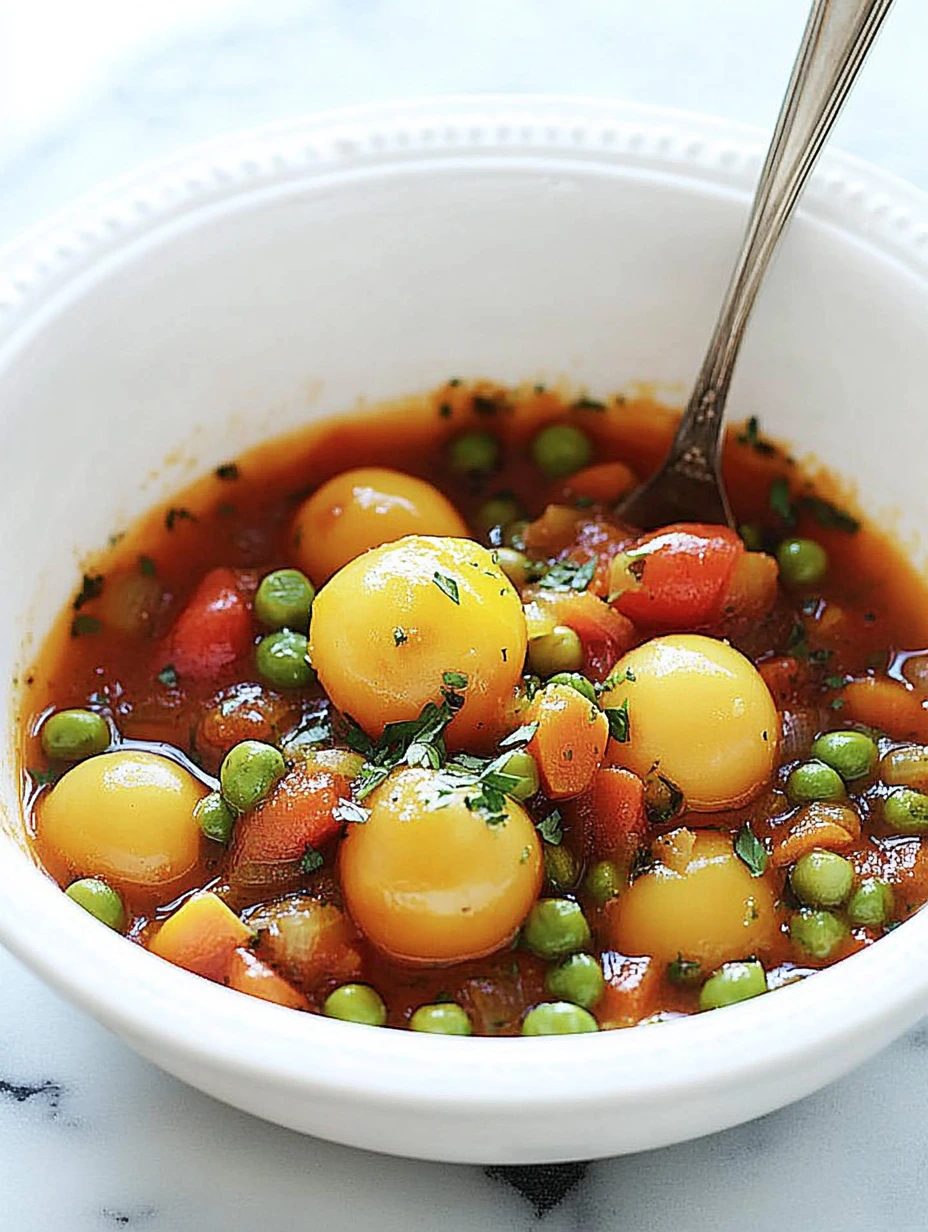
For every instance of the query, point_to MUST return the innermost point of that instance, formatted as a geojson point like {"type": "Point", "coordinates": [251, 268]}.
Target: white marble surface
{"type": "Point", "coordinates": [91, 1137]}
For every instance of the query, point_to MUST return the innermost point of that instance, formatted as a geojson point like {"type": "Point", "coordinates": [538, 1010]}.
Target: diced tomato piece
{"type": "Point", "coordinates": [785, 677]}
{"type": "Point", "coordinates": [612, 814]}
{"type": "Point", "coordinates": [605, 633]}
{"type": "Point", "coordinates": [213, 630]}
{"type": "Point", "coordinates": [570, 740]}
{"type": "Point", "coordinates": [676, 578]}
{"type": "Point", "coordinates": [298, 813]}
{"type": "Point", "coordinates": [249, 974]}
{"type": "Point", "coordinates": [201, 936]}
{"type": "Point", "coordinates": [632, 984]}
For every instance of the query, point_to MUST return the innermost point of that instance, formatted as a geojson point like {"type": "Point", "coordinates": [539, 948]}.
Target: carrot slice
{"type": "Point", "coordinates": [213, 630]}
{"type": "Point", "coordinates": [887, 705]}
{"type": "Point", "coordinates": [631, 987]}
{"type": "Point", "coordinates": [249, 974]}
{"type": "Point", "coordinates": [603, 484]}
{"type": "Point", "coordinates": [832, 827]}
{"type": "Point", "coordinates": [612, 814]}
{"type": "Point", "coordinates": [201, 936]}
{"type": "Point", "coordinates": [570, 740]}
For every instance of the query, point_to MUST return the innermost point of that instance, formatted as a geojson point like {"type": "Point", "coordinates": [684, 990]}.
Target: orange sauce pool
{"type": "Point", "coordinates": [867, 621]}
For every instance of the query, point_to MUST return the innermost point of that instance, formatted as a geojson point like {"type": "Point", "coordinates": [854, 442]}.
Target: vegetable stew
{"type": "Point", "coordinates": [395, 721]}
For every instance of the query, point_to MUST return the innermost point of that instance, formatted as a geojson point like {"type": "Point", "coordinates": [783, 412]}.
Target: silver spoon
{"type": "Point", "coordinates": [838, 35]}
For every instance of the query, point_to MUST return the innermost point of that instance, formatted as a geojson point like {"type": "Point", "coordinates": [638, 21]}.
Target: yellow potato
{"type": "Point", "coordinates": [362, 509]}
{"type": "Point", "coordinates": [429, 880]}
{"type": "Point", "coordinates": [387, 627]}
{"type": "Point", "coordinates": [125, 816]}
{"type": "Point", "coordinates": [700, 714]}
{"type": "Point", "coordinates": [707, 908]}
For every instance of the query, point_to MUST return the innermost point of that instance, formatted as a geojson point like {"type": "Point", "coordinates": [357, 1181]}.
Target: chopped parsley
{"type": "Point", "coordinates": [42, 778]}
{"type": "Point", "coordinates": [91, 588]}
{"type": "Point", "coordinates": [147, 566]}
{"type": "Point", "coordinates": [780, 501]}
{"type": "Point", "coordinates": [312, 860]}
{"type": "Point", "coordinates": [750, 850]}
{"type": "Point", "coordinates": [569, 575]}
{"type": "Point", "coordinates": [663, 799]}
{"type": "Point", "coordinates": [588, 404]}
{"type": "Point", "coordinates": [400, 636]}
{"type": "Point", "coordinates": [228, 470]}
{"type": "Point", "coordinates": [751, 436]}
{"type": "Point", "coordinates": [447, 585]}
{"type": "Point", "coordinates": [83, 625]}
{"type": "Point", "coordinates": [617, 717]}
{"type": "Point", "coordinates": [551, 829]}
{"type": "Point", "coordinates": [830, 516]}
{"type": "Point", "coordinates": [168, 676]}
{"type": "Point", "coordinates": [683, 972]}
{"type": "Point", "coordinates": [351, 811]}
{"type": "Point", "coordinates": [834, 682]}
{"type": "Point", "coordinates": [177, 514]}
{"type": "Point", "coordinates": [454, 680]}
{"type": "Point", "coordinates": [521, 735]}
{"type": "Point", "coordinates": [445, 410]}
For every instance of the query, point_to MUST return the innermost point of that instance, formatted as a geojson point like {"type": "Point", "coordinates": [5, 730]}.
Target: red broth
{"type": "Point", "coordinates": [840, 653]}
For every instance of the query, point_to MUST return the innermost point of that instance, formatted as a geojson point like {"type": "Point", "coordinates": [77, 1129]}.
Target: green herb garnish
{"type": "Point", "coordinates": [751, 436]}
{"type": "Point", "coordinates": [168, 676]}
{"type": "Point", "coordinates": [177, 514]}
{"type": "Point", "coordinates": [228, 470]}
{"type": "Point", "coordinates": [447, 585]}
{"type": "Point", "coordinates": [617, 717]}
{"type": "Point", "coordinates": [568, 575]}
{"type": "Point", "coordinates": [91, 588]}
{"type": "Point", "coordinates": [551, 828]}
{"type": "Point", "coordinates": [521, 735]}
{"type": "Point", "coordinates": [750, 850]}
{"type": "Point", "coordinates": [147, 566]}
{"type": "Point", "coordinates": [312, 860]}
{"type": "Point", "coordinates": [780, 501]}
{"type": "Point", "coordinates": [400, 636]}
{"type": "Point", "coordinates": [83, 625]}
{"type": "Point", "coordinates": [828, 515]}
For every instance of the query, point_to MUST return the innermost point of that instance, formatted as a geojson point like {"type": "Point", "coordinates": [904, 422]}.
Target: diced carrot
{"type": "Point", "coordinates": [249, 974]}
{"type": "Point", "coordinates": [833, 827]}
{"type": "Point", "coordinates": [752, 587]}
{"type": "Point", "coordinates": [554, 531]}
{"type": "Point", "coordinates": [676, 578]}
{"type": "Point", "coordinates": [213, 630]}
{"type": "Point", "coordinates": [603, 484]}
{"type": "Point", "coordinates": [785, 677]}
{"type": "Point", "coordinates": [605, 633]}
{"type": "Point", "coordinates": [631, 987]}
{"type": "Point", "coordinates": [244, 711]}
{"type": "Point", "coordinates": [612, 814]}
{"type": "Point", "coordinates": [201, 936]}
{"type": "Point", "coordinates": [570, 740]}
{"type": "Point", "coordinates": [298, 813]}
{"type": "Point", "coordinates": [887, 705]}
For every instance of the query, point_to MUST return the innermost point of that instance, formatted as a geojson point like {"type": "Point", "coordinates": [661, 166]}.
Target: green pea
{"type": "Point", "coordinates": [281, 660]}
{"type": "Point", "coordinates": [558, 1018]}
{"type": "Point", "coordinates": [817, 933]}
{"type": "Point", "coordinates": [822, 878]}
{"type": "Point", "coordinates": [474, 453]}
{"type": "Point", "coordinates": [214, 817]}
{"type": "Point", "coordinates": [101, 900]}
{"type": "Point", "coordinates": [284, 599]}
{"type": "Point", "coordinates": [556, 927]}
{"type": "Point", "coordinates": [852, 753]}
{"type": "Point", "coordinates": [906, 811]}
{"type": "Point", "coordinates": [803, 562]}
{"type": "Point", "coordinates": [445, 1018]}
{"type": "Point", "coordinates": [516, 566]}
{"type": "Point", "coordinates": [503, 509]}
{"type": "Point", "coordinates": [576, 681]}
{"type": "Point", "coordinates": [356, 1003]}
{"type": "Point", "coordinates": [906, 767]}
{"type": "Point", "coordinates": [871, 904]}
{"type": "Point", "coordinates": [734, 981]}
{"type": "Point", "coordinates": [578, 979]}
{"type": "Point", "coordinates": [561, 449]}
{"type": "Point", "coordinates": [72, 735]}
{"type": "Point", "coordinates": [524, 767]}
{"type": "Point", "coordinates": [603, 882]}
{"type": "Point", "coordinates": [560, 867]}
{"type": "Point", "coordinates": [813, 780]}
{"type": "Point", "coordinates": [558, 651]}
{"type": "Point", "coordinates": [248, 772]}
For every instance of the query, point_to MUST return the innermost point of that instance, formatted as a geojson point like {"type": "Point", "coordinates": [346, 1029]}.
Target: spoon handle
{"type": "Point", "coordinates": [837, 37]}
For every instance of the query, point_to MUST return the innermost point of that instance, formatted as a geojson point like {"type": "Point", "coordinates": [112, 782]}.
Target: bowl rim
{"type": "Point", "coordinates": [871, 995]}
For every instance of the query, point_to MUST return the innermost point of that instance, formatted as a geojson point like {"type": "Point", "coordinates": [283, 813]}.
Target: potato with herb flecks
{"type": "Point", "coordinates": [439, 875]}
{"type": "Point", "coordinates": [401, 622]}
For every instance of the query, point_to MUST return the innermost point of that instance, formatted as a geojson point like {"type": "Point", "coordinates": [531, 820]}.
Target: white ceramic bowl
{"type": "Point", "coordinates": [188, 312]}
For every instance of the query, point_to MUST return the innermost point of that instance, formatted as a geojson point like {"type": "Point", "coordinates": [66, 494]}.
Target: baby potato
{"type": "Point", "coordinates": [363, 509]}
{"type": "Point", "coordinates": [125, 816]}
{"type": "Point", "coordinates": [387, 627]}
{"type": "Point", "coordinates": [429, 880]}
{"type": "Point", "coordinates": [708, 909]}
{"type": "Point", "coordinates": [700, 714]}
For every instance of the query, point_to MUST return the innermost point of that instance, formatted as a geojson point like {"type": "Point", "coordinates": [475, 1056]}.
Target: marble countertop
{"type": "Point", "coordinates": [92, 1137]}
